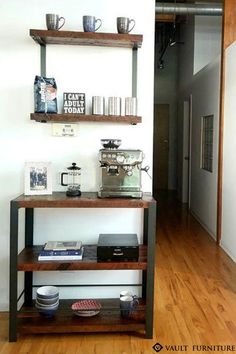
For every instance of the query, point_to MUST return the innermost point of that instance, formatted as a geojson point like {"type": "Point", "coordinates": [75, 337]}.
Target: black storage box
{"type": "Point", "coordinates": [117, 247]}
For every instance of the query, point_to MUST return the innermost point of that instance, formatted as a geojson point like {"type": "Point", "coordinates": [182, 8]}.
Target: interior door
{"type": "Point", "coordinates": [161, 147]}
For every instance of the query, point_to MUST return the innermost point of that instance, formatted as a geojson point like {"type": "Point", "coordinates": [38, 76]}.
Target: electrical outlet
{"type": "Point", "coordinates": [68, 130]}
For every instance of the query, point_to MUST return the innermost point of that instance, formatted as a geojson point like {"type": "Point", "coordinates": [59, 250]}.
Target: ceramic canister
{"type": "Point", "coordinates": [130, 106]}
{"type": "Point", "coordinates": [114, 106]}
{"type": "Point", "coordinates": [98, 104]}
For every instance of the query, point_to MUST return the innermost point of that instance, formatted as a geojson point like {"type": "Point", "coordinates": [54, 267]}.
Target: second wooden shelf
{"type": "Point", "coordinates": [73, 118]}
{"type": "Point", "coordinates": [28, 261]}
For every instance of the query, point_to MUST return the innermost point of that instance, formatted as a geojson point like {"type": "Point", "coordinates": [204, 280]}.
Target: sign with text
{"type": "Point", "coordinates": [74, 103]}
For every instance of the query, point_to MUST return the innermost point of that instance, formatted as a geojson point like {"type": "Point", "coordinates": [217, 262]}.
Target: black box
{"type": "Point", "coordinates": [117, 247]}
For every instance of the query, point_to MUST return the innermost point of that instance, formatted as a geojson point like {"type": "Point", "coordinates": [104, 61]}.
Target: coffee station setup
{"type": "Point", "coordinates": [120, 172]}
{"type": "Point", "coordinates": [119, 186]}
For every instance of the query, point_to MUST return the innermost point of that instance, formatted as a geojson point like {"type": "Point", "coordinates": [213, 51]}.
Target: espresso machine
{"type": "Point", "coordinates": [120, 171]}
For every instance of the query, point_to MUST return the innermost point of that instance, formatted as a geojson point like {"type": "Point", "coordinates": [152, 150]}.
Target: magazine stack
{"type": "Point", "coordinates": [61, 251]}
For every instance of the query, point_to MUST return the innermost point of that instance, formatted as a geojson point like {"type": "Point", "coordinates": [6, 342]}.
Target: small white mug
{"type": "Point", "coordinates": [127, 305]}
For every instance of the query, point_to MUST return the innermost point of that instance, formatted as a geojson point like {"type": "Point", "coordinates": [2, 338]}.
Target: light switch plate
{"type": "Point", "coordinates": [68, 130]}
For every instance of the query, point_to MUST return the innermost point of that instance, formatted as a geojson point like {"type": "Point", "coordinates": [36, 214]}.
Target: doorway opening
{"type": "Point", "coordinates": [187, 81]}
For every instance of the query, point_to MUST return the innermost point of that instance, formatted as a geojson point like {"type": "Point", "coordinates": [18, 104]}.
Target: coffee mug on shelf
{"type": "Point", "coordinates": [53, 22]}
{"type": "Point", "coordinates": [128, 293]}
{"type": "Point", "coordinates": [123, 24]}
{"type": "Point", "coordinates": [89, 23]}
{"type": "Point", "coordinates": [127, 305]}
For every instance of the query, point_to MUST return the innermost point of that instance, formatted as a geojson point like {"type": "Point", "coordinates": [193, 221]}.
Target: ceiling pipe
{"type": "Point", "coordinates": [189, 9]}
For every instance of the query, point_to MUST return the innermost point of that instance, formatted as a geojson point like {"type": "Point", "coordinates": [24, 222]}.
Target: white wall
{"type": "Point", "coordinates": [206, 95]}
{"type": "Point", "coordinates": [186, 56]}
{"type": "Point", "coordinates": [228, 240]}
{"type": "Point", "coordinates": [205, 90]}
{"type": "Point", "coordinates": [95, 71]}
{"type": "Point", "coordinates": [207, 40]}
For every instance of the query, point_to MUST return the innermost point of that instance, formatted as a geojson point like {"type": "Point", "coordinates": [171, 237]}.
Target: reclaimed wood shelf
{"type": "Point", "coordinates": [86, 200]}
{"type": "Point", "coordinates": [44, 37]}
{"type": "Point", "coordinates": [73, 118]}
{"type": "Point", "coordinates": [65, 321]}
{"type": "Point", "coordinates": [28, 261]}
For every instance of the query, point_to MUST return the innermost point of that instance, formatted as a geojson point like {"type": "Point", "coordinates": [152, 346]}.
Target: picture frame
{"type": "Point", "coordinates": [38, 178]}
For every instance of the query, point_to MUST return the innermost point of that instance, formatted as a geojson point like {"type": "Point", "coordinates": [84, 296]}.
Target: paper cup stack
{"type": "Point", "coordinates": [47, 300]}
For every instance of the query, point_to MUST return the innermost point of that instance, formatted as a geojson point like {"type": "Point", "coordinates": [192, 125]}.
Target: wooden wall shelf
{"type": "Point", "coordinates": [73, 118]}
{"type": "Point", "coordinates": [44, 37]}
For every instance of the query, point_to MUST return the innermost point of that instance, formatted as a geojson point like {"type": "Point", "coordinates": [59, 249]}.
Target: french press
{"type": "Point", "coordinates": [73, 180]}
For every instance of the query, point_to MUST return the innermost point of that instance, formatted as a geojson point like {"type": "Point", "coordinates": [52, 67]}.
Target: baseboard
{"type": "Point", "coordinates": [210, 232]}
{"type": "Point", "coordinates": [228, 252]}
{"type": "Point", "coordinates": [225, 249]}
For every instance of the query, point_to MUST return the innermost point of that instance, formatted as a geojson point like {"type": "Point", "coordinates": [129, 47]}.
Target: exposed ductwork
{"type": "Point", "coordinates": [189, 9]}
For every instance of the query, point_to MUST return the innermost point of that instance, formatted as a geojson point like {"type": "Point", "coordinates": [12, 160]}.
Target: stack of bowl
{"type": "Point", "coordinates": [47, 300]}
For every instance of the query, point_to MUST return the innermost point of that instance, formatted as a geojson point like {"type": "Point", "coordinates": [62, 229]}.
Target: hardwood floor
{"type": "Point", "coordinates": [195, 299]}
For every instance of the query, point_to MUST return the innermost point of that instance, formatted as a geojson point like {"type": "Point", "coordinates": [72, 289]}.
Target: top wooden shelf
{"type": "Point", "coordinates": [86, 200]}
{"type": "Point", "coordinates": [44, 37]}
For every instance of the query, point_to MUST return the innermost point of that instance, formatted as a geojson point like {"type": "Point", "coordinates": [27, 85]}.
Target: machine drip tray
{"type": "Point", "coordinates": [112, 194]}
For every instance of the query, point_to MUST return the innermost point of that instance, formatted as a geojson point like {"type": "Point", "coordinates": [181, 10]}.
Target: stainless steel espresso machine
{"type": "Point", "coordinates": [120, 171]}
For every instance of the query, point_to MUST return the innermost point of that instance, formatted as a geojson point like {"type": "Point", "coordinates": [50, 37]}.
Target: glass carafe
{"type": "Point", "coordinates": [73, 180]}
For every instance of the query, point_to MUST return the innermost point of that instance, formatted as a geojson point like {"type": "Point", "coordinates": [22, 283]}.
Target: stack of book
{"type": "Point", "coordinates": [61, 251]}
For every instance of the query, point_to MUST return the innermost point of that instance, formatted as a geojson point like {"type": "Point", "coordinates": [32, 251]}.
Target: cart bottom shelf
{"type": "Point", "coordinates": [108, 320]}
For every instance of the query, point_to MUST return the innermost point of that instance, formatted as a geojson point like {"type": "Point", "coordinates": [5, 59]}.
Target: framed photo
{"type": "Point", "coordinates": [38, 178]}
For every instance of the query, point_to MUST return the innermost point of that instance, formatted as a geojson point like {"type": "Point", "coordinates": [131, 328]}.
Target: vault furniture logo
{"type": "Point", "coordinates": [195, 348]}
{"type": "Point", "coordinates": [157, 347]}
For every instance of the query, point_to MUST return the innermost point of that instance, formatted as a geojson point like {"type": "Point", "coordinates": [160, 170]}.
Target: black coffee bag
{"type": "Point", "coordinates": [45, 95]}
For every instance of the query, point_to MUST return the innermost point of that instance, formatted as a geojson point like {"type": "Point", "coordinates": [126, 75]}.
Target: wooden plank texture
{"type": "Point", "coordinates": [86, 200]}
{"type": "Point", "coordinates": [73, 118]}
{"type": "Point", "coordinates": [43, 37]}
{"type": "Point", "coordinates": [229, 24]}
{"type": "Point", "coordinates": [28, 261]}
{"type": "Point", "coordinates": [65, 321]}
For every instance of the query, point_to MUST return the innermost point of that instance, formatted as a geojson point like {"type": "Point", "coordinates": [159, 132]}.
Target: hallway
{"type": "Point", "coordinates": [195, 282]}
{"type": "Point", "coordinates": [195, 298]}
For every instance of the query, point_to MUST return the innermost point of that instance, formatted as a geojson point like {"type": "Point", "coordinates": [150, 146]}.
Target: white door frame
{"type": "Point", "coordinates": [190, 148]}
{"type": "Point", "coordinates": [186, 151]}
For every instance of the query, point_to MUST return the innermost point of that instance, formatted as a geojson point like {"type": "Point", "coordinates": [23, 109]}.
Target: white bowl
{"type": "Point", "coordinates": [48, 307]}
{"type": "Point", "coordinates": [47, 301]}
{"type": "Point", "coordinates": [47, 312]}
{"type": "Point", "coordinates": [47, 292]}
